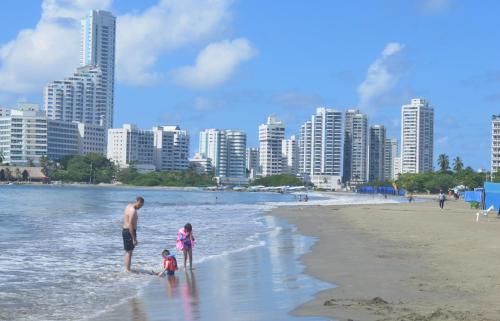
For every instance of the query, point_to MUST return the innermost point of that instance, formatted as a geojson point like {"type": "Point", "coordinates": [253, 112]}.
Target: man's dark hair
{"type": "Point", "coordinates": [140, 199]}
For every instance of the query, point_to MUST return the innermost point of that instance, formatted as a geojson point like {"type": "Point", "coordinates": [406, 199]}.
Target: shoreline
{"type": "Point", "coordinates": [400, 261]}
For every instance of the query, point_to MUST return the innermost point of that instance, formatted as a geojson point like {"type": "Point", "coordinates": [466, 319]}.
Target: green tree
{"type": "Point", "coordinates": [279, 180]}
{"type": "Point", "coordinates": [443, 162]}
{"type": "Point", "coordinates": [25, 175]}
{"type": "Point", "coordinates": [458, 165]}
{"type": "Point", "coordinates": [1, 157]}
{"type": "Point", "coordinates": [8, 174]}
{"type": "Point", "coordinates": [17, 173]}
{"type": "Point", "coordinates": [2, 175]}
{"type": "Point", "coordinates": [31, 163]}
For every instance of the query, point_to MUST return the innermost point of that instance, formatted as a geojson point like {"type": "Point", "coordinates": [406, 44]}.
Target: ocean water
{"type": "Point", "coordinates": [61, 251]}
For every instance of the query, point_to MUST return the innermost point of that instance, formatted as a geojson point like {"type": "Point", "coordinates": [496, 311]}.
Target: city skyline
{"type": "Point", "coordinates": [289, 70]}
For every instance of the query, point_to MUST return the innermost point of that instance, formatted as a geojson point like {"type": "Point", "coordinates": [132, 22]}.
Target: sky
{"type": "Point", "coordinates": [229, 64]}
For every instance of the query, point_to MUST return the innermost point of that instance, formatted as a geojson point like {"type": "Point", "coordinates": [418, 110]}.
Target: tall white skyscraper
{"type": "Point", "coordinates": [321, 147]}
{"type": "Point", "coordinates": [495, 144]}
{"type": "Point", "coordinates": [290, 151]}
{"type": "Point", "coordinates": [88, 95]}
{"type": "Point", "coordinates": [355, 147]}
{"type": "Point", "coordinates": [97, 48]}
{"type": "Point", "coordinates": [252, 160]}
{"type": "Point", "coordinates": [227, 151]}
{"type": "Point", "coordinates": [271, 135]}
{"type": "Point", "coordinates": [390, 154]}
{"type": "Point", "coordinates": [376, 153]}
{"type": "Point", "coordinates": [171, 148]}
{"type": "Point", "coordinates": [417, 137]}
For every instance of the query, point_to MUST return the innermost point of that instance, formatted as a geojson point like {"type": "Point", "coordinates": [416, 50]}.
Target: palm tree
{"type": "Point", "coordinates": [1, 157]}
{"type": "Point", "coordinates": [458, 165]}
{"type": "Point", "coordinates": [18, 173]}
{"type": "Point", "coordinates": [443, 162]}
{"type": "Point", "coordinates": [8, 174]}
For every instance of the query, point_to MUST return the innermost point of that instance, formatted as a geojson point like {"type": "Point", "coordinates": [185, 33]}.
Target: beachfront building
{"type": "Point", "coordinates": [62, 139]}
{"type": "Point", "coordinates": [320, 147]}
{"type": "Point", "coordinates": [376, 153]}
{"type": "Point", "coordinates": [252, 159]}
{"type": "Point", "coordinates": [87, 95]}
{"type": "Point", "coordinates": [130, 145]}
{"type": "Point", "coordinates": [391, 152]}
{"type": "Point", "coordinates": [202, 164]}
{"type": "Point", "coordinates": [495, 144]}
{"type": "Point", "coordinates": [98, 30]}
{"type": "Point", "coordinates": [77, 98]}
{"type": "Point", "coordinates": [271, 135]}
{"type": "Point", "coordinates": [4, 112]}
{"type": "Point", "coordinates": [23, 135]}
{"type": "Point", "coordinates": [227, 151]}
{"type": "Point", "coordinates": [91, 139]}
{"type": "Point", "coordinates": [290, 152]}
{"type": "Point", "coordinates": [355, 169]}
{"type": "Point", "coordinates": [171, 148]}
{"type": "Point", "coordinates": [417, 136]}
{"type": "Point", "coordinates": [74, 138]}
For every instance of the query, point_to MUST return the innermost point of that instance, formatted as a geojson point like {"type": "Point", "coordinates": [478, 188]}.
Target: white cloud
{"type": "Point", "coordinates": [382, 76]}
{"type": "Point", "coordinates": [436, 6]}
{"type": "Point", "coordinates": [443, 141]}
{"type": "Point", "coordinates": [71, 9]}
{"type": "Point", "coordinates": [142, 38]}
{"type": "Point", "coordinates": [49, 51]}
{"type": "Point", "coordinates": [215, 63]}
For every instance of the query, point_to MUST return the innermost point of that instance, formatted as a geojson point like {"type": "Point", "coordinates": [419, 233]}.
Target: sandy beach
{"type": "Point", "coordinates": [401, 261]}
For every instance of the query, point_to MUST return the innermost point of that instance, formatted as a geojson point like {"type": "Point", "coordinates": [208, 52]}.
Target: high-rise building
{"type": "Point", "coordinates": [201, 163]}
{"type": "Point", "coordinates": [4, 112]}
{"type": "Point", "coordinates": [171, 148]}
{"type": "Point", "coordinates": [74, 138]}
{"type": "Point", "coordinates": [417, 137]}
{"type": "Point", "coordinates": [62, 139]}
{"type": "Point", "coordinates": [91, 139]}
{"type": "Point", "coordinates": [164, 148]}
{"type": "Point", "coordinates": [390, 154]}
{"type": "Point", "coordinates": [87, 96]}
{"type": "Point", "coordinates": [376, 153]}
{"type": "Point", "coordinates": [23, 135]}
{"type": "Point", "coordinates": [77, 98]}
{"type": "Point", "coordinates": [227, 151]}
{"type": "Point", "coordinates": [98, 30]}
{"type": "Point", "coordinates": [495, 144]}
{"type": "Point", "coordinates": [290, 151]}
{"type": "Point", "coordinates": [271, 135]}
{"type": "Point", "coordinates": [131, 146]}
{"type": "Point", "coordinates": [252, 160]}
{"type": "Point", "coordinates": [355, 147]}
{"type": "Point", "coordinates": [321, 148]}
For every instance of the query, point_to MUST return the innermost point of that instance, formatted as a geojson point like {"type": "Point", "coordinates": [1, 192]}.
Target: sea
{"type": "Point", "coordinates": [61, 250]}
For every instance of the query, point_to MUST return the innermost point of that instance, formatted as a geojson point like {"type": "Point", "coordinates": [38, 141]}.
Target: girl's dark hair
{"type": "Point", "coordinates": [188, 227]}
{"type": "Point", "coordinates": [165, 252]}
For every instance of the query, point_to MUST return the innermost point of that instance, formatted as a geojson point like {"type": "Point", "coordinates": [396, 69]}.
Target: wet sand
{"type": "Point", "coordinates": [410, 262]}
{"type": "Point", "coordinates": [260, 283]}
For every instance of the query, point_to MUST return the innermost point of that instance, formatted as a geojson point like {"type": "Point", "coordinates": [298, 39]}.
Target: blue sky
{"type": "Point", "coordinates": [229, 64]}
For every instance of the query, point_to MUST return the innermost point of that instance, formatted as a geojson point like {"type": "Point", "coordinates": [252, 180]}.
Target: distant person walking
{"type": "Point", "coordinates": [441, 198]}
{"type": "Point", "coordinates": [129, 231]}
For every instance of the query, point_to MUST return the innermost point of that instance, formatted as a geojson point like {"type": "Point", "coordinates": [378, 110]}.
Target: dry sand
{"type": "Point", "coordinates": [410, 262]}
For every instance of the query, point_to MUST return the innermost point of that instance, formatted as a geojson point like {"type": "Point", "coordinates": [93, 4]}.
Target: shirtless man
{"type": "Point", "coordinates": [129, 231]}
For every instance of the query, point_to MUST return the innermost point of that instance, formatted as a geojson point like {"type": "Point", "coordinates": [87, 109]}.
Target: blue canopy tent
{"type": "Point", "coordinates": [492, 195]}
